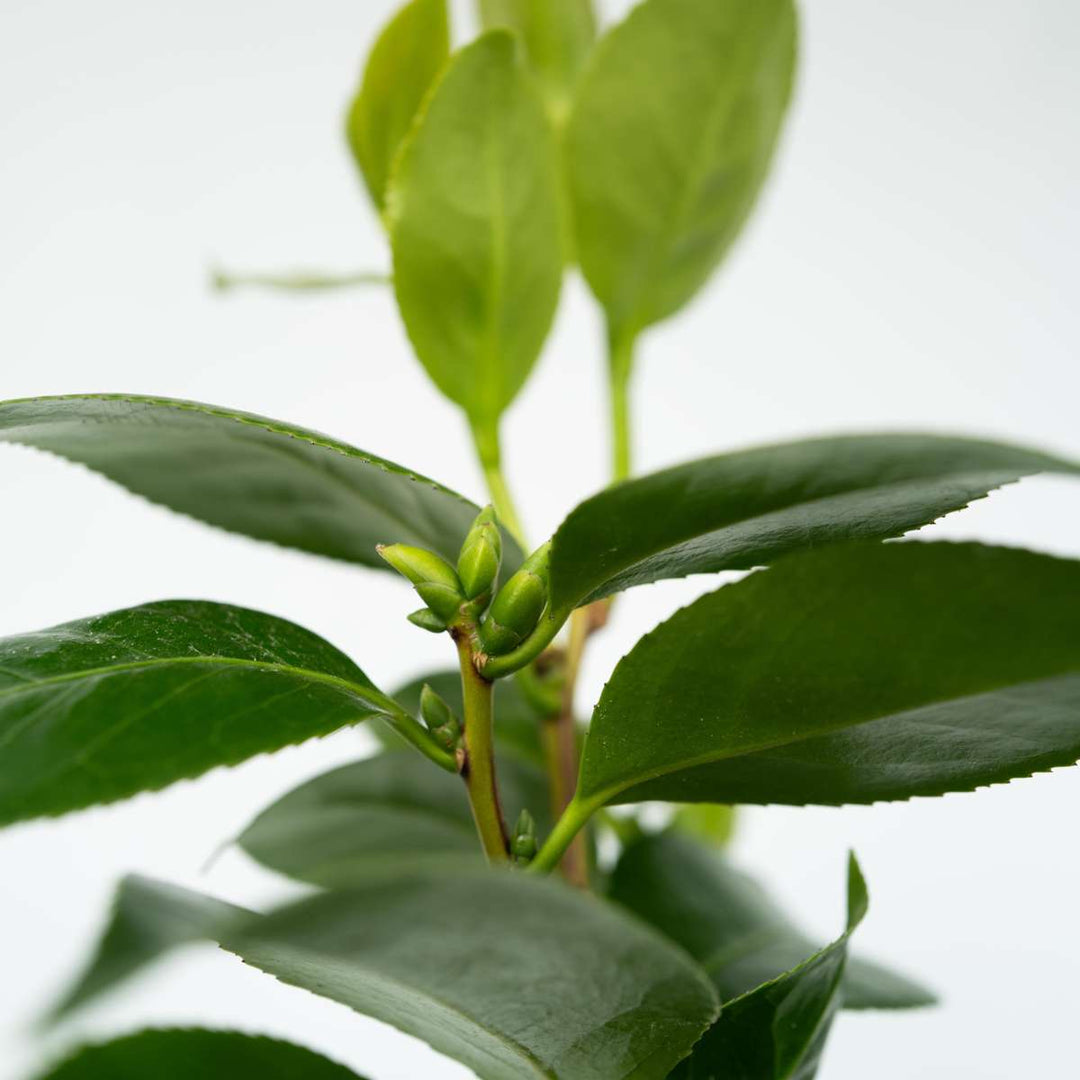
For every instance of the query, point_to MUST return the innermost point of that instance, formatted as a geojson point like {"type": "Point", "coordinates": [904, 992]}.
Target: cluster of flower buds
{"type": "Point", "coordinates": [518, 605]}
{"type": "Point", "coordinates": [466, 592]}
{"type": "Point", "coordinates": [440, 719]}
{"type": "Point", "coordinates": [523, 843]}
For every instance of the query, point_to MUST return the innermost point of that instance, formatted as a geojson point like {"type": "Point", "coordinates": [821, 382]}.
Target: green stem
{"type": "Point", "coordinates": [574, 818]}
{"type": "Point", "coordinates": [414, 733]}
{"type": "Point", "coordinates": [620, 366]}
{"type": "Point", "coordinates": [478, 766]}
{"type": "Point", "coordinates": [488, 450]}
{"type": "Point", "coordinates": [498, 667]}
{"type": "Point", "coordinates": [299, 281]}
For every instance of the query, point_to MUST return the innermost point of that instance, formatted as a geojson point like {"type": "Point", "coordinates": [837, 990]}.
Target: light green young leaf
{"type": "Point", "coordinates": [778, 1031]}
{"type": "Point", "coordinates": [248, 474]}
{"type": "Point", "coordinates": [475, 228]}
{"type": "Point", "coordinates": [182, 1054]}
{"type": "Point", "coordinates": [745, 509]}
{"type": "Point", "coordinates": [851, 674]}
{"type": "Point", "coordinates": [404, 63]}
{"type": "Point", "coordinates": [671, 136]}
{"type": "Point", "coordinates": [517, 977]}
{"type": "Point", "coordinates": [558, 37]}
{"type": "Point", "coordinates": [727, 922]}
{"type": "Point", "coordinates": [102, 708]}
{"type": "Point", "coordinates": [387, 815]}
{"type": "Point", "coordinates": [710, 823]}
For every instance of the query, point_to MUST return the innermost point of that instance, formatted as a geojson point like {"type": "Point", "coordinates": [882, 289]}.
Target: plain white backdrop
{"type": "Point", "coordinates": [913, 265]}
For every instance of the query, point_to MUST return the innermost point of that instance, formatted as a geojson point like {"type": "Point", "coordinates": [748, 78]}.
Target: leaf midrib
{"type": "Point", "coordinates": [1002, 478]}
{"type": "Point", "coordinates": [356, 690]}
{"type": "Point", "coordinates": [604, 795]}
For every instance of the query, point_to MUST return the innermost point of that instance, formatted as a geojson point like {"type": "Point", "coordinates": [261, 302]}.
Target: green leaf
{"type": "Point", "coordinates": [404, 62]}
{"type": "Point", "coordinates": [101, 708]}
{"type": "Point", "coordinates": [544, 981]}
{"type": "Point", "coordinates": [248, 474]}
{"type": "Point", "coordinates": [181, 1054]}
{"type": "Point", "coordinates": [672, 132]}
{"type": "Point", "coordinates": [745, 509]}
{"type": "Point", "coordinates": [475, 228]}
{"type": "Point", "coordinates": [387, 815]}
{"type": "Point", "coordinates": [852, 674]}
{"type": "Point", "coordinates": [515, 976]}
{"type": "Point", "coordinates": [148, 919]}
{"type": "Point", "coordinates": [778, 1031]}
{"type": "Point", "coordinates": [710, 823]}
{"type": "Point", "coordinates": [558, 36]}
{"type": "Point", "coordinates": [517, 723]}
{"type": "Point", "coordinates": [727, 922]}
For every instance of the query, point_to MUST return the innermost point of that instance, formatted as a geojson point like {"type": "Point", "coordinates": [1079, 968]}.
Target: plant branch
{"type": "Point", "coordinates": [498, 667]}
{"type": "Point", "coordinates": [488, 450]}
{"type": "Point", "coordinates": [621, 344]}
{"type": "Point", "coordinates": [477, 765]}
{"type": "Point", "coordinates": [575, 817]}
{"type": "Point", "coordinates": [296, 281]}
{"type": "Point", "coordinates": [413, 732]}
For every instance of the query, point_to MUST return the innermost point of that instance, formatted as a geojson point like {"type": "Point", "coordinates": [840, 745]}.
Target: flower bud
{"type": "Point", "coordinates": [523, 844]}
{"type": "Point", "coordinates": [439, 718]}
{"type": "Point", "coordinates": [478, 563]}
{"type": "Point", "coordinates": [517, 607]}
{"type": "Point", "coordinates": [432, 576]}
{"type": "Point", "coordinates": [426, 619]}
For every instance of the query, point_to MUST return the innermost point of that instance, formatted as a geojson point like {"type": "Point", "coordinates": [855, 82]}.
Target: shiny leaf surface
{"type": "Point", "coordinates": [745, 509]}
{"type": "Point", "coordinates": [726, 921]}
{"type": "Point", "coordinates": [516, 977]}
{"type": "Point", "coordinates": [778, 1031]}
{"type": "Point", "coordinates": [182, 1054]}
{"type": "Point", "coordinates": [98, 709]}
{"type": "Point", "coordinates": [248, 474]}
{"type": "Point", "coordinates": [852, 674]}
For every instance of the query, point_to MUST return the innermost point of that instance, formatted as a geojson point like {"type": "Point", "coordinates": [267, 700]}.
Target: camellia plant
{"type": "Point", "coordinates": [472, 885]}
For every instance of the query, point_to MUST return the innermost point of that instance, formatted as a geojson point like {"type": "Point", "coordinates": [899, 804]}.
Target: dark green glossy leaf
{"type": "Point", "coordinates": [183, 1054]}
{"type": "Point", "coordinates": [148, 919]}
{"type": "Point", "coordinates": [672, 132]}
{"type": "Point", "coordinates": [726, 921]}
{"type": "Point", "coordinates": [517, 724]}
{"type": "Point", "coordinates": [778, 1031]}
{"type": "Point", "coordinates": [853, 674]}
{"type": "Point", "coordinates": [515, 976]}
{"type": "Point", "coordinates": [99, 709]}
{"type": "Point", "coordinates": [558, 37]}
{"type": "Point", "coordinates": [544, 981]}
{"type": "Point", "coordinates": [404, 62]}
{"type": "Point", "coordinates": [745, 509]}
{"type": "Point", "coordinates": [248, 474]}
{"type": "Point", "coordinates": [475, 229]}
{"type": "Point", "coordinates": [390, 814]}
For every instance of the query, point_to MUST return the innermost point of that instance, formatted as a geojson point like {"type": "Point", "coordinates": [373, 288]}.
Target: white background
{"type": "Point", "coordinates": [913, 264]}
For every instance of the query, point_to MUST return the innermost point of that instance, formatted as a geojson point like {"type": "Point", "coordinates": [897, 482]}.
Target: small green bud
{"type": "Point", "coordinates": [517, 608]}
{"type": "Point", "coordinates": [478, 563]}
{"type": "Point", "coordinates": [523, 845]}
{"type": "Point", "coordinates": [432, 576]}
{"type": "Point", "coordinates": [426, 619]}
{"type": "Point", "coordinates": [440, 718]}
